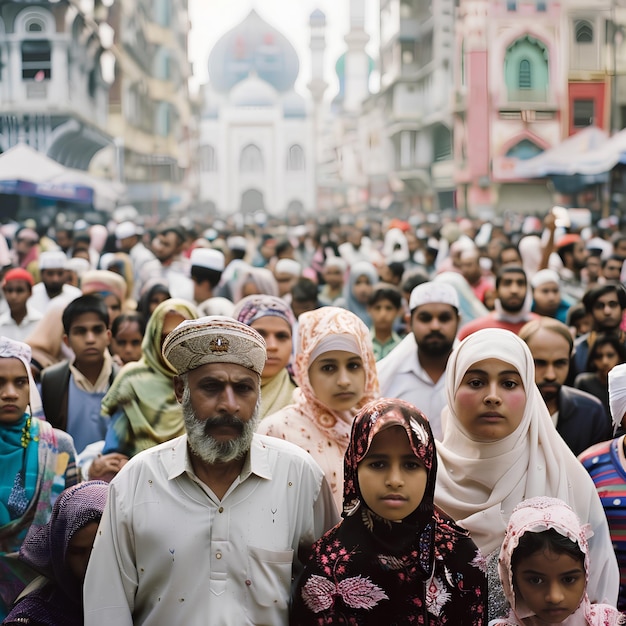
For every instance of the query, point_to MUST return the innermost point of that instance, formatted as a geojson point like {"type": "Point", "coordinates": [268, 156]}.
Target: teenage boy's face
{"type": "Point", "coordinates": [88, 338]}
{"type": "Point", "coordinates": [383, 314]}
{"type": "Point", "coordinates": [391, 478]}
{"type": "Point", "coordinates": [16, 293]}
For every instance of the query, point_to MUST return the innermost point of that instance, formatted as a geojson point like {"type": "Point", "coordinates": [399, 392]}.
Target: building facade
{"type": "Point", "coordinates": [53, 93]}
{"type": "Point", "coordinates": [257, 152]}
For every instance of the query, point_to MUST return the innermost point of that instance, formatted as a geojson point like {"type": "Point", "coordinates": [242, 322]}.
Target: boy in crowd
{"type": "Point", "coordinates": [72, 391]}
{"type": "Point", "coordinates": [21, 318]}
{"type": "Point", "coordinates": [383, 307]}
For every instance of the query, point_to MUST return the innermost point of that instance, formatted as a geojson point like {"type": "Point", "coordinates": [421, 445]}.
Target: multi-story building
{"type": "Point", "coordinates": [149, 107]}
{"type": "Point", "coordinates": [529, 73]}
{"type": "Point", "coordinates": [416, 69]}
{"type": "Point", "coordinates": [53, 93]}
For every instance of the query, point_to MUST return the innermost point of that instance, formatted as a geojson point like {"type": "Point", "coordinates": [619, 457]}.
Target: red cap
{"type": "Point", "coordinates": [18, 273]}
{"type": "Point", "coordinates": [567, 240]}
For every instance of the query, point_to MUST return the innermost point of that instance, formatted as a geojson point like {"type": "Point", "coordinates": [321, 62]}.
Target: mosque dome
{"type": "Point", "coordinates": [253, 47]}
{"type": "Point", "coordinates": [253, 92]}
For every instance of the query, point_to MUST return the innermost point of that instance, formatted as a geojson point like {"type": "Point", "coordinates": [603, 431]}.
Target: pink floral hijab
{"type": "Point", "coordinates": [537, 515]}
{"type": "Point", "coordinates": [318, 325]}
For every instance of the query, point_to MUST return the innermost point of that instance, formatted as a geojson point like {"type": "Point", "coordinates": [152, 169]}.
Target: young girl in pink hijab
{"type": "Point", "coordinates": [544, 568]}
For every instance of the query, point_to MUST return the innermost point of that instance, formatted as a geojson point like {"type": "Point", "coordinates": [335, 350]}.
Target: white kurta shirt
{"type": "Point", "coordinates": [401, 375]}
{"type": "Point", "coordinates": [168, 551]}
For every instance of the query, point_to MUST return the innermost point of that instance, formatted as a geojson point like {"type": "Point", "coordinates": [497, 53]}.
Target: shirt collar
{"type": "Point", "coordinates": [257, 461]}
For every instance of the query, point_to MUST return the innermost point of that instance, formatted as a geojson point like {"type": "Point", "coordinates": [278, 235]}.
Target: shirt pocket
{"type": "Point", "coordinates": [269, 577]}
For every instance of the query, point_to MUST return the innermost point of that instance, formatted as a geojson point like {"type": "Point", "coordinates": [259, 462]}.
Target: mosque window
{"type": "Point", "coordinates": [526, 70]}
{"type": "Point", "coordinates": [251, 159]}
{"type": "Point", "coordinates": [36, 59]}
{"type": "Point", "coordinates": [208, 159]}
{"type": "Point", "coordinates": [295, 158]}
{"type": "Point", "coordinates": [584, 32]}
{"type": "Point", "coordinates": [525, 76]}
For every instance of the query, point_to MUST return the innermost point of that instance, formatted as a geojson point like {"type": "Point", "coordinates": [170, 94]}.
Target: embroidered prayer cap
{"type": "Point", "coordinates": [617, 394]}
{"type": "Point", "coordinates": [433, 292]}
{"type": "Point", "coordinates": [207, 258]}
{"type": "Point", "coordinates": [18, 273]}
{"type": "Point", "coordinates": [52, 260]}
{"type": "Point", "coordinates": [214, 339]}
{"type": "Point", "coordinates": [543, 277]}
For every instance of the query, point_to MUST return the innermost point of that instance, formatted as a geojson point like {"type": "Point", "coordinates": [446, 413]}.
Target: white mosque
{"type": "Point", "coordinates": [260, 141]}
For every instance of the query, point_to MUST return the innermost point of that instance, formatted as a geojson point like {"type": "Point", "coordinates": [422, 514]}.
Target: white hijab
{"type": "Point", "coordinates": [479, 484]}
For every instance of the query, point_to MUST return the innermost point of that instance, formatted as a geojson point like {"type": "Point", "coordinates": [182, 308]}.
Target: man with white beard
{"type": "Point", "coordinates": [209, 527]}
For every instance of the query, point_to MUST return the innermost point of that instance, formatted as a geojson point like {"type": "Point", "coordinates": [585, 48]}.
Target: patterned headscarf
{"type": "Point", "coordinates": [417, 528]}
{"type": "Point", "coordinates": [45, 548]}
{"type": "Point", "coordinates": [537, 515]}
{"type": "Point", "coordinates": [252, 308]}
{"type": "Point", "coordinates": [370, 570]}
{"type": "Point", "coordinates": [316, 326]}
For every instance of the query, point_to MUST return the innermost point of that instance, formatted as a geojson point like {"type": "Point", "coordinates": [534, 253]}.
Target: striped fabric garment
{"type": "Point", "coordinates": [606, 464]}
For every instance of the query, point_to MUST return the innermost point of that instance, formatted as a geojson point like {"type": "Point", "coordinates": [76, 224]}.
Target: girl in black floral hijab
{"type": "Point", "coordinates": [394, 558]}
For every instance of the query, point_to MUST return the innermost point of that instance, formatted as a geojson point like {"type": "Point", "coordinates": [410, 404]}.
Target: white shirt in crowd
{"type": "Point", "coordinates": [170, 552]}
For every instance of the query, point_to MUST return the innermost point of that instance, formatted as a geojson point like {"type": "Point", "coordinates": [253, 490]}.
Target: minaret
{"type": "Point", "coordinates": [317, 86]}
{"type": "Point", "coordinates": [357, 61]}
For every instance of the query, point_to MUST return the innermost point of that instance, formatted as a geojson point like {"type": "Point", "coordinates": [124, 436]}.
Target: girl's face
{"type": "Point", "coordinates": [362, 289]}
{"type": "Point", "coordinates": [79, 550]}
{"type": "Point", "coordinates": [155, 299]}
{"type": "Point", "coordinates": [14, 390]}
{"type": "Point", "coordinates": [490, 400]}
{"type": "Point", "coordinates": [391, 478]}
{"type": "Point", "coordinates": [127, 343]}
{"type": "Point", "coordinates": [605, 359]}
{"type": "Point", "coordinates": [551, 584]}
{"type": "Point", "coordinates": [338, 379]}
{"type": "Point", "coordinates": [277, 334]}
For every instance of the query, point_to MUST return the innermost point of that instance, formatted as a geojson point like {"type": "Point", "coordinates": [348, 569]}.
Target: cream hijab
{"type": "Point", "coordinates": [479, 484]}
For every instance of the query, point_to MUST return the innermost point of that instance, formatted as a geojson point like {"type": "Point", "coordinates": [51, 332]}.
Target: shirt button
{"type": "Point", "coordinates": [248, 582]}
{"type": "Point", "coordinates": [220, 510]}
{"type": "Point", "coordinates": [218, 555]}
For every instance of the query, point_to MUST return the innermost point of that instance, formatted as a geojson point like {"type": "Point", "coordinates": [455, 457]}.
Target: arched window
{"type": "Point", "coordinates": [295, 158]}
{"type": "Point", "coordinates": [525, 149]}
{"type": "Point", "coordinates": [584, 31]}
{"type": "Point", "coordinates": [525, 77]}
{"type": "Point", "coordinates": [208, 159]}
{"type": "Point", "coordinates": [526, 70]}
{"type": "Point", "coordinates": [251, 159]}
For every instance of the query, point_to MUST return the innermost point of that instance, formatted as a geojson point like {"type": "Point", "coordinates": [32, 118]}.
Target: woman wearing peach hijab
{"type": "Point", "coordinates": [335, 369]}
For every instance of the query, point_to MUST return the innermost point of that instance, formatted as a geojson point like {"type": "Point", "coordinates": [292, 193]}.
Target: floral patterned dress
{"type": "Point", "coordinates": [370, 571]}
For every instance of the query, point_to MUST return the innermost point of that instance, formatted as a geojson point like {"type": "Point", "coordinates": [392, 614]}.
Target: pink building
{"type": "Point", "coordinates": [529, 74]}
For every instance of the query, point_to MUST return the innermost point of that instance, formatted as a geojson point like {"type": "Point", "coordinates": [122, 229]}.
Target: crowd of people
{"type": "Point", "coordinates": [358, 422]}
